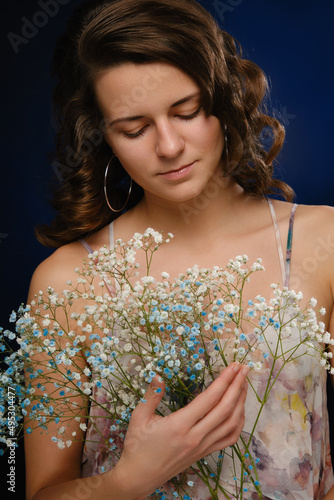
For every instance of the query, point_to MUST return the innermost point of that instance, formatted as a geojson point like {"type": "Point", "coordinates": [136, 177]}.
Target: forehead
{"type": "Point", "coordinates": [134, 87]}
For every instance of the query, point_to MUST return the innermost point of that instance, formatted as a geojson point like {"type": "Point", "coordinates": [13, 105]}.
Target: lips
{"type": "Point", "coordinates": [179, 172]}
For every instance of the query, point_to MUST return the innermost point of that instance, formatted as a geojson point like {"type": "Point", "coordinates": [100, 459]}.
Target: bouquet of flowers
{"type": "Point", "coordinates": [109, 348]}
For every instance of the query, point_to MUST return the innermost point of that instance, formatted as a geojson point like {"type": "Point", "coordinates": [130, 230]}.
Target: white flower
{"type": "Point", "coordinates": [127, 347]}
{"type": "Point", "coordinates": [83, 427]}
{"type": "Point", "coordinates": [313, 302]}
{"type": "Point", "coordinates": [322, 311]}
{"type": "Point", "coordinates": [327, 338]}
{"type": "Point", "coordinates": [257, 366]}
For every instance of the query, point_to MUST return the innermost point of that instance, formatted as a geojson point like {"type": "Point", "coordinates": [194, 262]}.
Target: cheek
{"type": "Point", "coordinates": [209, 134]}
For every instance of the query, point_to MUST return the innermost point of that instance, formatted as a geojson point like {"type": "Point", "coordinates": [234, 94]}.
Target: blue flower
{"type": "Point", "coordinates": [242, 336]}
{"type": "Point", "coordinates": [277, 325]}
{"type": "Point", "coordinates": [12, 317]}
{"type": "Point", "coordinates": [62, 393]}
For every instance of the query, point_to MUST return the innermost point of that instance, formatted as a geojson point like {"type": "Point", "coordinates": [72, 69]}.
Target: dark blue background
{"type": "Point", "coordinates": [292, 42]}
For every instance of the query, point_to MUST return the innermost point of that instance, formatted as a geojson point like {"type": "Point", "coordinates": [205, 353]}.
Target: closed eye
{"type": "Point", "coordinates": [193, 115]}
{"type": "Point", "coordinates": [135, 135]}
{"type": "Point", "coordinates": [140, 132]}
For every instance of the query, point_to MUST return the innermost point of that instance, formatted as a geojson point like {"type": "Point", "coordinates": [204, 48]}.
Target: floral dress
{"type": "Point", "coordinates": [290, 444]}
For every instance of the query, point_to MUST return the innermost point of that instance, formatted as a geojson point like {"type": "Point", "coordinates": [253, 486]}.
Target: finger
{"type": "Point", "coordinates": [233, 395]}
{"type": "Point", "coordinates": [151, 399]}
{"type": "Point", "coordinates": [204, 402]}
{"type": "Point", "coordinates": [228, 431]}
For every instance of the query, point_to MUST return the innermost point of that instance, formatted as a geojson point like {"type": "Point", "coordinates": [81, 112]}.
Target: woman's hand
{"type": "Point", "coordinates": [157, 448]}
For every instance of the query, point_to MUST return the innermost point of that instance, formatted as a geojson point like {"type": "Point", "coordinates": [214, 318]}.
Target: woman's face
{"type": "Point", "coordinates": [158, 130]}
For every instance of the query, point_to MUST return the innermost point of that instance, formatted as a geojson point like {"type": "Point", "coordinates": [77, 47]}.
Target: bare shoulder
{"type": "Point", "coordinates": [57, 269]}
{"type": "Point", "coordinates": [314, 227]}
{"type": "Point", "coordinates": [310, 220]}
{"type": "Point", "coordinates": [317, 216]}
{"type": "Point", "coordinates": [313, 244]}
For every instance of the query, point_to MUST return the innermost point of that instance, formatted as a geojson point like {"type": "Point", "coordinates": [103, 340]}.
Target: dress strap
{"type": "Point", "coordinates": [87, 246]}
{"type": "Point", "coordinates": [284, 264]}
{"type": "Point", "coordinates": [278, 238]}
{"type": "Point", "coordinates": [111, 234]}
{"type": "Point", "coordinates": [289, 245]}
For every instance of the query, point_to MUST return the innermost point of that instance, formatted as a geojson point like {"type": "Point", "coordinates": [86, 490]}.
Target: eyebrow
{"type": "Point", "coordinates": [139, 117]}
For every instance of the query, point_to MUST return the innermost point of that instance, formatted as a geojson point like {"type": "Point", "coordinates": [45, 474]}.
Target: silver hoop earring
{"type": "Point", "coordinates": [106, 194]}
{"type": "Point", "coordinates": [226, 142]}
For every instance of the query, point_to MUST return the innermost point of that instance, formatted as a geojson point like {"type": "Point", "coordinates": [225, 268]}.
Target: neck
{"type": "Point", "coordinates": [218, 206]}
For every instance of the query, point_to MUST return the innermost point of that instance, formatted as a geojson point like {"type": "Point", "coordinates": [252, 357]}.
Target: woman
{"type": "Point", "coordinates": [159, 114]}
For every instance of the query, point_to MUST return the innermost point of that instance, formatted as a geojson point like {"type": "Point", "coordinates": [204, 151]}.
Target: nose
{"type": "Point", "coordinates": [169, 141]}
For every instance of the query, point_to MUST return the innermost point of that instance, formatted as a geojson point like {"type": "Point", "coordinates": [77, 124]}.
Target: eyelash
{"type": "Point", "coordinates": [184, 118]}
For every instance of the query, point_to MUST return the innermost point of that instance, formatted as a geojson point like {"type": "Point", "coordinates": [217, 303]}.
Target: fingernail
{"type": "Point", "coordinates": [245, 369]}
{"type": "Point", "coordinates": [236, 367]}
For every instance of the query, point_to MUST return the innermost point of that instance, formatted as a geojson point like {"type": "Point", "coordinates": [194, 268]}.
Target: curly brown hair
{"type": "Point", "coordinates": [106, 34]}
